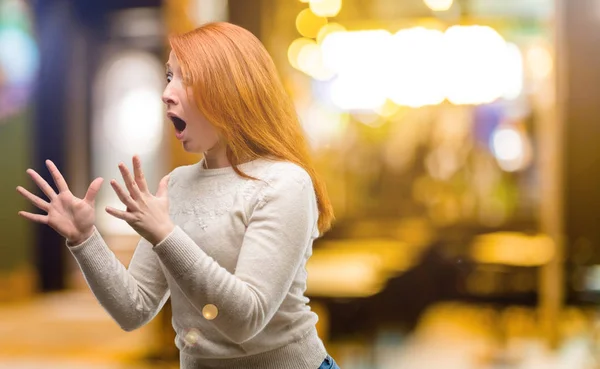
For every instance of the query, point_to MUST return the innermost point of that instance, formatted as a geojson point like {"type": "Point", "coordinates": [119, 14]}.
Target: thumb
{"type": "Point", "coordinates": [163, 186]}
{"type": "Point", "coordinates": [92, 191]}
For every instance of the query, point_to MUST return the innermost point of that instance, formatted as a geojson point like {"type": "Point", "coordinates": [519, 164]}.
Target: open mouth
{"type": "Point", "coordinates": [178, 123]}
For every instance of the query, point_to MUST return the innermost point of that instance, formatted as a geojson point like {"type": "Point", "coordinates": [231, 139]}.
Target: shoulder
{"type": "Point", "coordinates": [182, 174]}
{"type": "Point", "coordinates": [278, 180]}
{"type": "Point", "coordinates": [284, 174]}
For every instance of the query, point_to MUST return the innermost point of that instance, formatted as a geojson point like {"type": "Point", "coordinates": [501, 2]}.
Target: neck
{"type": "Point", "coordinates": [216, 158]}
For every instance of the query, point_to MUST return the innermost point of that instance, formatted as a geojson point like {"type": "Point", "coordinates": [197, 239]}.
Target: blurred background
{"type": "Point", "coordinates": [457, 140]}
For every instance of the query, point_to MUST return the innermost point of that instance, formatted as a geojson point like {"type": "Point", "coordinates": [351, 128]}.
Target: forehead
{"type": "Point", "coordinates": [172, 62]}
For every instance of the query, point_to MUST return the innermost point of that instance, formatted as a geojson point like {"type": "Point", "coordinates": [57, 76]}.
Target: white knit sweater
{"type": "Point", "coordinates": [239, 251]}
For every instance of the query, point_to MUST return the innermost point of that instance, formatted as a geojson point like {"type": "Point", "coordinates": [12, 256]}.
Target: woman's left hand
{"type": "Point", "coordinates": [147, 214]}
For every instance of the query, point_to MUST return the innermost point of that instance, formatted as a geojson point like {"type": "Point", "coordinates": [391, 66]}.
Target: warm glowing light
{"type": "Point", "coordinates": [415, 69]}
{"type": "Point", "coordinates": [514, 72]}
{"type": "Point", "coordinates": [322, 74]}
{"type": "Point", "coordinates": [388, 109]}
{"type": "Point", "coordinates": [513, 249]}
{"type": "Point", "coordinates": [310, 61]}
{"type": "Point", "coordinates": [507, 144]}
{"type": "Point", "coordinates": [439, 5]}
{"type": "Point", "coordinates": [357, 268]}
{"type": "Point", "coordinates": [475, 58]}
{"type": "Point", "coordinates": [210, 312]}
{"type": "Point", "coordinates": [539, 62]}
{"type": "Point", "coordinates": [309, 24]}
{"type": "Point", "coordinates": [357, 93]}
{"type": "Point", "coordinates": [295, 48]}
{"type": "Point", "coordinates": [191, 337]}
{"type": "Point", "coordinates": [323, 126]}
{"type": "Point", "coordinates": [328, 29]}
{"type": "Point", "coordinates": [369, 118]}
{"type": "Point", "coordinates": [326, 8]}
{"type": "Point", "coordinates": [309, 57]}
{"type": "Point", "coordinates": [360, 61]}
{"type": "Point", "coordinates": [128, 119]}
{"type": "Point", "coordinates": [141, 125]}
{"type": "Point", "coordinates": [511, 148]}
{"type": "Point", "coordinates": [358, 51]}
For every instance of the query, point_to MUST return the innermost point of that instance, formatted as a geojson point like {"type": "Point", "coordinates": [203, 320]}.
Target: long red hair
{"type": "Point", "coordinates": [237, 88]}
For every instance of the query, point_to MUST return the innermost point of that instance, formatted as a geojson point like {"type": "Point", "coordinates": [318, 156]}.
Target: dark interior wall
{"type": "Point", "coordinates": [247, 14]}
{"type": "Point", "coordinates": [582, 121]}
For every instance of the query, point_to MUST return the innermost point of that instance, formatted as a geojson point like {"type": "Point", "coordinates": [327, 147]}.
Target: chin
{"type": "Point", "coordinates": [187, 147]}
{"type": "Point", "coordinates": [190, 148]}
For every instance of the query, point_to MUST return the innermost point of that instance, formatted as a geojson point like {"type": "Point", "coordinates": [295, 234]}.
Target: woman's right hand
{"type": "Point", "coordinates": [71, 217]}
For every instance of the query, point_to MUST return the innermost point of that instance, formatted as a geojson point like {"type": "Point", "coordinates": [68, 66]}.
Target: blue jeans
{"type": "Point", "coordinates": [329, 363]}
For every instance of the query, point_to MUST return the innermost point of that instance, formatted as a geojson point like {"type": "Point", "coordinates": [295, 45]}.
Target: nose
{"type": "Point", "coordinates": [168, 97]}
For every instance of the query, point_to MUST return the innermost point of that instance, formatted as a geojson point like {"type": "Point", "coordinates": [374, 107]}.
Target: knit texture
{"type": "Point", "coordinates": [234, 267]}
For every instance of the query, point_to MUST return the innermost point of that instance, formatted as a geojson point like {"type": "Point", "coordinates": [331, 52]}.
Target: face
{"type": "Point", "coordinates": [190, 126]}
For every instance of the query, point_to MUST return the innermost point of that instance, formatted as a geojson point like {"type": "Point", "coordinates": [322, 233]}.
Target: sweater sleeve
{"type": "Point", "coordinates": [131, 296]}
{"type": "Point", "coordinates": [281, 226]}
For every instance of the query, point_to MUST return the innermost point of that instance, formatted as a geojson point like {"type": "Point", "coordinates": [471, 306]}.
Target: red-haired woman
{"type": "Point", "coordinates": [226, 238]}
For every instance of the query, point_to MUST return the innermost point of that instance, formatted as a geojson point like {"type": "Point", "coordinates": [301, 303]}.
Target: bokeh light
{"type": "Point", "coordinates": [323, 126]}
{"type": "Point", "coordinates": [142, 125]}
{"type": "Point", "coordinates": [19, 57]}
{"type": "Point", "coordinates": [388, 109]}
{"type": "Point", "coordinates": [475, 59]}
{"type": "Point", "coordinates": [359, 59]}
{"type": "Point", "coordinates": [191, 337]}
{"type": "Point", "coordinates": [514, 72]}
{"type": "Point", "coordinates": [511, 147]}
{"type": "Point", "coordinates": [309, 24]}
{"type": "Point", "coordinates": [310, 61]}
{"type": "Point", "coordinates": [439, 5]}
{"type": "Point", "coordinates": [128, 119]}
{"type": "Point", "coordinates": [511, 248]}
{"type": "Point", "coordinates": [328, 29]}
{"type": "Point", "coordinates": [467, 65]}
{"type": "Point", "coordinates": [210, 312]}
{"type": "Point", "coordinates": [309, 57]}
{"type": "Point", "coordinates": [415, 69]}
{"type": "Point", "coordinates": [295, 48]}
{"type": "Point", "coordinates": [326, 8]}
{"type": "Point", "coordinates": [135, 116]}
{"type": "Point", "coordinates": [539, 61]}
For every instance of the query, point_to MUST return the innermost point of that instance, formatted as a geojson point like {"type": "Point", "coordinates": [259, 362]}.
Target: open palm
{"type": "Point", "coordinates": [72, 217]}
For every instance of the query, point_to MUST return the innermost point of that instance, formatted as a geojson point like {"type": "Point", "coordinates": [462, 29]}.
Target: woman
{"type": "Point", "coordinates": [228, 237]}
